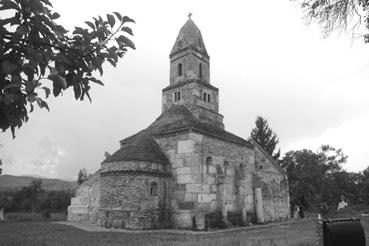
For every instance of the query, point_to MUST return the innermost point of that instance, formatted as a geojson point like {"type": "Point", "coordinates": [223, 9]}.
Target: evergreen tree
{"type": "Point", "coordinates": [82, 176]}
{"type": "Point", "coordinates": [265, 137]}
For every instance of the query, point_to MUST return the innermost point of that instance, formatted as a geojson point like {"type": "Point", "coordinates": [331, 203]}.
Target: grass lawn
{"type": "Point", "coordinates": [47, 233]}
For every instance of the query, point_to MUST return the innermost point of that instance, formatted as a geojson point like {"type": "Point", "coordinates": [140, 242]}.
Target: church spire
{"type": "Point", "coordinates": [189, 58]}
{"type": "Point", "coordinates": [190, 77]}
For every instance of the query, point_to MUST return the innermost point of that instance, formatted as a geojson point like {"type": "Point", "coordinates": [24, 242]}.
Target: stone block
{"type": "Point", "coordinates": [212, 170]}
{"type": "Point", "coordinates": [75, 201]}
{"type": "Point", "coordinates": [200, 221]}
{"type": "Point", "coordinates": [171, 153]}
{"type": "Point", "coordinates": [218, 160]}
{"type": "Point", "coordinates": [179, 195]}
{"type": "Point", "coordinates": [116, 223]}
{"type": "Point", "coordinates": [193, 161]}
{"type": "Point", "coordinates": [229, 196]}
{"type": "Point", "coordinates": [183, 170]}
{"type": "Point", "coordinates": [196, 137]}
{"type": "Point", "coordinates": [250, 198]}
{"type": "Point", "coordinates": [177, 163]}
{"type": "Point", "coordinates": [213, 206]}
{"type": "Point", "coordinates": [197, 188]}
{"type": "Point", "coordinates": [186, 146]}
{"type": "Point", "coordinates": [229, 206]}
{"type": "Point", "coordinates": [228, 188]}
{"type": "Point", "coordinates": [196, 92]}
{"type": "Point", "coordinates": [197, 178]}
{"type": "Point", "coordinates": [206, 197]}
{"type": "Point", "coordinates": [184, 179]}
{"type": "Point", "coordinates": [210, 180]}
{"type": "Point", "coordinates": [213, 188]}
{"type": "Point", "coordinates": [230, 172]}
{"type": "Point", "coordinates": [188, 197]}
{"type": "Point", "coordinates": [186, 205]}
{"type": "Point", "coordinates": [203, 207]}
{"type": "Point", "coordinates": [182, 219]}
{"type": "Point", "coordinates": [196, 169]}
{"type": "Point", "coordinates": [174, 204]}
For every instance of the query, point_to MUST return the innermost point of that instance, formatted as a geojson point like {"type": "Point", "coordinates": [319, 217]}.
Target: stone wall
{"type": "Point", "coordinates": [134, 199]}
{"type": "Point", "coordinates": [274, 185]}
{"type": "Point", "coordinates": [196, 190]}
{"type": "Point", "coordinates": [84, 206]}
{"type": "Point", "coordinates": [192, 94]}
{"type": "Point", "coordinates": [190, 61]}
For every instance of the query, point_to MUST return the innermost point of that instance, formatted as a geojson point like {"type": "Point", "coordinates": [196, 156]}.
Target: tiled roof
{"type": "Point", "coordinates": [189, 36]}
{"type": "Point", "coordinates": [143, 147]}
{"type": "Point", "coordinates": [140, 147]}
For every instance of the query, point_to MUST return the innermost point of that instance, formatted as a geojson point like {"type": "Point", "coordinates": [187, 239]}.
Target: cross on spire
{"type": "Point", "coordinates": [189, 15]}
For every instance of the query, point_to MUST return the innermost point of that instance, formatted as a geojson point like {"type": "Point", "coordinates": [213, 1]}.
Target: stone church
{"type": "Point", "coordinates": [184, 170]}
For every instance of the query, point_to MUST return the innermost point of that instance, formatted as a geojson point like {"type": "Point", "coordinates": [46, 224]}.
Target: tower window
{"type": "Point", "coordinates": [204, 96]}
{"type": "Point", "coordinates": [177, 96]}
{"type": "Point", "coordinates": [208, 97]}
{"type": "Point", "coordinates": [200, 70]}
{"type": "Point", "coordinates": [179, 69]}
{"type": "Point", "coordinates": [154, 189]}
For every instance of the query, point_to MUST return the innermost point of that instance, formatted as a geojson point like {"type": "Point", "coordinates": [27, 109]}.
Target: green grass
{"type": "Point", "coordinates": [46, 233]}
{"type": "Point", "coordinates": [24, 217]}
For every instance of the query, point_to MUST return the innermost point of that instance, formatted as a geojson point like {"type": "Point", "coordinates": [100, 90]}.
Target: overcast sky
{"type": "Point", "coordinates": [264, 60]}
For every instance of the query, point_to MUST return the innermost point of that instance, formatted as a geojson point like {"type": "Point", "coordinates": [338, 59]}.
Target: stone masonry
{"type": "Point", "coordinates": [185, 168]}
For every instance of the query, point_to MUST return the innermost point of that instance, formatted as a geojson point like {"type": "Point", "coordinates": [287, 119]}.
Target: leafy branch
{"type": "Point", "coordinates": [34, 47]}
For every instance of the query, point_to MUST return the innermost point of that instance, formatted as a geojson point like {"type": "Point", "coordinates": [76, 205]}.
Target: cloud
{"type": "Point", "coordinates": [40, 159]}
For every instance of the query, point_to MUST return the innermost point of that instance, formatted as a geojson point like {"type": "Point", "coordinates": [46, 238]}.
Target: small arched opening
{"type": "Point", "coordinates": [179, 69]}
{"type": "Point", "coordinates": [154, 189]}
{"type": "Point", "coordinates": [208, 163]}
{"type": "Point", "coordinates": [200, 71]}
{"type": "Point", "coordinates": [242, 170]}
{"type": "Point", "coordinates": [226, 167]}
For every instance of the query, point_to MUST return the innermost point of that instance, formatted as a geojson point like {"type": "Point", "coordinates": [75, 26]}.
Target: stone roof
{"type": "Point", "coordinates": [178, 119]}
{"type": "Point", "coordinates": [189, 81]}
{"type": "Point", "coordinates": [139, 147]}
{"type": "Point", "coordinates": [268, 156]}
{"type": "Point", "coordinates": [189, 36]}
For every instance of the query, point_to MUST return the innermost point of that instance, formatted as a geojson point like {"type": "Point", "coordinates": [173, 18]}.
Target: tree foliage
{"type": "Point", "coordinates": [39, 57]}
{"type": "Point", "coordinates": [82, 176]}
{"type": "Point", "coordinates": [313, 176]}
{"type": "Point", "coordinates": [33, 198]}
{"type": "Point", "coordinates": [337, 14]}
{"type": "Point", "coordinates": [265, 137]}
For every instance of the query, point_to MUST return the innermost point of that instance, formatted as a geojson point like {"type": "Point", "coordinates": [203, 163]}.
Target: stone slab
{"type": "Point", "coordinates": [184, 179]}
{"type": "Point", "coordinates": [186, 146]}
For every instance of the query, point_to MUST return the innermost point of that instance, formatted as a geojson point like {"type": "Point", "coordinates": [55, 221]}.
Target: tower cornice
{"type": "Point", "coordinates": [189, 81]}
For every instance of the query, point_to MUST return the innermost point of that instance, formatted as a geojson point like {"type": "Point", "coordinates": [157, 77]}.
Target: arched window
{"type": "Point", "coordinates": [208, 97]}
{"type": "Point", "coordinates": [242, 170]}
{"type": "Point", "coordinates": [219, 170]}
{"type": "Point", "coordinates": [209, 162]}
{"type": "Point", "coordinates": [200, 70]}
{"type": "Point", "coordinates": [154, 189]}
{"type": "Point", "coordinates": [177, 96]}
{"type": "Point", "coordinates": [204, 96]}
{"type": "Point", "coordinates": [226, 167]}
{"type": "Point", "coordinates": [179, 69]}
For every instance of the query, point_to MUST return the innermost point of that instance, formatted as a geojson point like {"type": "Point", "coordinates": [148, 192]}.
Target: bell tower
{"type": "Point", "coordinates": [190, 77]}
{"type": "Point", "coordinates": [189, 58]}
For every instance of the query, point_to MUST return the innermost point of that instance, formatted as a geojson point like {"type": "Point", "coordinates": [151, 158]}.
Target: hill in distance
{"type": "Point", "coordinates": [12, 183]}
